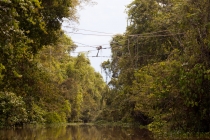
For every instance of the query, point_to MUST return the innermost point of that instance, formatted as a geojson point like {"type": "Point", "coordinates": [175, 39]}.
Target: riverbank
{"type": "Point", "coordinates": [160, 135]}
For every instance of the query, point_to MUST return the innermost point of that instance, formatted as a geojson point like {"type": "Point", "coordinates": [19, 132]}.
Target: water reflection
{"type": "Point", "coordinates": [76, 132]}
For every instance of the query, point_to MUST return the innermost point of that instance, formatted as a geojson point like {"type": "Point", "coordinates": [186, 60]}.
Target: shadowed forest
{"type": "Point", "coordinates": [159, 70]}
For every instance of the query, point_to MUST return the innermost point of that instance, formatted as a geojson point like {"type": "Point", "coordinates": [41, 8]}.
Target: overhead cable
{"type": "Point", "coordinates": [92, 46]}
{"type": "Point", "coordinates": [89, 34]}
{"type": "Point", "coordinates": [89, 50]}
{"type": "Point", "coordinates": [99, 56]}
{"type": "Point", "coordinates": [112, 34]}
{"type": "Point", "coordinates": [147, 36]}
{"type": "Point", "coordinates": [84, 46]}
{"type": "Point", "coordinates": [143, 35]}
{"type": "Point", "coordinates": [88, 30]}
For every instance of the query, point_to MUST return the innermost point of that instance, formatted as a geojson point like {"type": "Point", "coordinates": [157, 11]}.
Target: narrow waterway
{"type": "Point", "coordinates": [75, 132]}
{"type": "Point", "coordinates": [81, 132]}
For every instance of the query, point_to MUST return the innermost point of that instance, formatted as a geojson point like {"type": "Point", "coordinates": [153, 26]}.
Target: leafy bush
{"type": "Point", "coordinates": [53, 117]}
{"type": "Point", "coordinates": [12, 109]}
{"type": "Point", "coordinates": [37, 114]}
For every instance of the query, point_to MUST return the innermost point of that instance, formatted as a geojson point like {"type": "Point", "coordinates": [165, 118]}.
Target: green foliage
{"type": "Point", "coordinates": [67, 108]}
{"type": "Point", "coordinates": [37, 115]}
{"type": "Point", "coordinates": [26, 27]}
{"type": "Point", "coordinates": [36, 66]}
{"type": "Point", "coordinates": [12, 110]}
{"type": "Point", "coordinates": [1, 69]}
{"type": "Point", "coordinates": [160, 67]}
{"type": "Point", "coordinates": [53, 117]}
{"type": "Point", "coordinates": [83, 88]}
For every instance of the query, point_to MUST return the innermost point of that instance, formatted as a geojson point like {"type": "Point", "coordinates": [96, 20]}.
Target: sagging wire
{"type": "Point", "coordinates": [87, 30]}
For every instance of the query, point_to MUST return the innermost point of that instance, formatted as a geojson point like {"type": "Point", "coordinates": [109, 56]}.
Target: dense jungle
{"type": "Point", "coordinates": [159, 71]}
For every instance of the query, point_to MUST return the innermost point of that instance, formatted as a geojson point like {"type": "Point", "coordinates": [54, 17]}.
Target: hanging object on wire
{"type": "Point", "coordinates": [98, 48]}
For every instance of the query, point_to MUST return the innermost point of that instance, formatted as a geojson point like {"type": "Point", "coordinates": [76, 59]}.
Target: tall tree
{"type": "Point", "coordinates": [161, 67]}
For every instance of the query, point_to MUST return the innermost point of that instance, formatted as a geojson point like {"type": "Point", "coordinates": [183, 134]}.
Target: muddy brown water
{"type": "Point", "coordinates": [76, 132]}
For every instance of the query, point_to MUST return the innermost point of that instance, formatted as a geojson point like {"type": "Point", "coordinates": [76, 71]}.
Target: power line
{"type": "Point", "coordinates": [76, 52]}
{"type": "Point", "coordinates": [89, 50]}
{"type": "Point", "coordinates": [150, 33]}
{"type": "Point", "coordinates": [84, 51]}
{"type": "Point", "coordinates": [143, 35]}
{"type": "Point", "coordinates": [92, 46]}
{"type": "Point", "coordinates": [111, 34]}
{"type": "Point", "coordinates": [114, 34]}
{"type": "Point", "coordinates": [141, 55]}
{"type": "Point", "coordinates": [88, 30]}
{"type": "Point", "coordinates": [85, 46]}
{"type": "Point", "coordinates": [89, 34]}
{"type": "Point", "coordinates": [138, 35]}
{"type": "Point", "coordinates": [99, 56]}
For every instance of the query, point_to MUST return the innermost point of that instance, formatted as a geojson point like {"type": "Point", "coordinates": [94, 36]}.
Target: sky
{"type": "Point", "coordinates": [102, 20]}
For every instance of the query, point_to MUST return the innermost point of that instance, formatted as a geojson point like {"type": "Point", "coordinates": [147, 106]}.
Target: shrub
{"type": "Point", "coordinates": [12, 109]}
{"type": "Point", "coordinates": [53, 117]}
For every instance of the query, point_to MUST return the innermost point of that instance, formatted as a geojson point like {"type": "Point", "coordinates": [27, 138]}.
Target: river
{"type": "Point", "coordinates": [76, 132]}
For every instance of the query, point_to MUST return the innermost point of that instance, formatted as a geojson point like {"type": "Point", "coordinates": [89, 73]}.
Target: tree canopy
{"type": "Point", "coordinates": [40, 82]}
{"type": "Point", "coordinates": [160, 67]}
